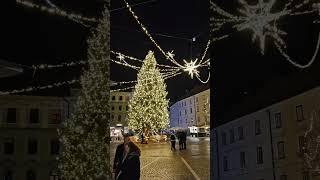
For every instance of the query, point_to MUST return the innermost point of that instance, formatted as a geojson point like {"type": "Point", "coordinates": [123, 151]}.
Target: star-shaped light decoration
{"type": "Point", "coordinates": [121, 57]}
{"type": "Point", "coordinates": [261, 21]}
{"type": "Point", "coordinates": [191, 67]}
{"type": "Point", "coordinates": [170, 54]}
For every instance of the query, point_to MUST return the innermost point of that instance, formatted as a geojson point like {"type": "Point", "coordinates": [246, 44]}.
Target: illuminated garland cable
{"type": "Point", "coordinates": [203, 81]}
{"type": "Point", "coordinates": [122, 56]}
{"type": "Point", "coordinates": [262, 23]}
{"type": "Point", "coordinates": [287, 57]}
{"type": "Point", "coordinates": [56, 7]}
{"type": "Point", "coordinates": [132, 87]}
{"type": "Point", "coordinates": [149, 35]}
{"type": "Point", "coordinates": [56, 11]}
{"type": "Point", "coordinates": [29, 89]}
{"type": "Point", "coordinates": [190, 67]}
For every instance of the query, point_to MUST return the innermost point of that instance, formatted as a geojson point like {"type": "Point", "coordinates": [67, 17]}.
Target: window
{"type": "Point", "coordinates": [11, 115]}
{"type": "Point", "coordinates": [259, 155]}
{"type": "Point", "coordinates": [8, 146]}
{"type": "Point", "coordinates": [302, 141]}
{"type": "Point", "coordinates": [190, 101]}
{"type": "Point", "coordinates": [240, 133]}
{"type": "Point", "coordinates": [32, 146]}
{"type": "Point", "coordinates": [197, 108]}
{"type": "Point", "coordinates": [191, 110]}
{"type": "Point", "coordinates": [278, 120]}
{"type": "Point", "coordinates": [113, 98]}
{"type": "Point", "coordinates": [120, 108]}
{"type": "Point", "coordinates": [242, 160]}
{"type": "Point", "coordinates": [112, 108]}
{"type": "Point", "coordinates": [8, 175]}
{"type": "Point", "coordinates": [119, 117]}
{"type": "Point", "coordinates": [180, 113]}
{"type": "Point", "coordinates": [281, 152]}
{"type": "Point", "coordinates": [112, 117]}
{"type": "Point", "coordinates": [199, 119]}
{"type": "Point", "coordinates": [54, 146]}
{"type": "Point", "coordinates": [120, 98]}
{"type": "Point", "coordinates": [185, 103]}
{"type": "Point", "coordinates": [299, 112]}
{"type": "Point", "coordinates": [54, 175]}
{"type": "Point", "coordinates": [196, 99]}
{"type": "Point", "coordinates": [257, 127]}
{"type": "Point", "coordinates": [55, 116]}
{"type": "Point", "coordinates": [127, 108]}
{"type": "Point", "coordinates": [231, 135]}
{"type": "Point", "coordinates": [225, 163]}
{"type": "Point", "coordinates": [283, 177]}
{"type": "Point", "coordinates": [224, 138]}
{"type": "Point", "coordinates": [31, 175]}
{"type": "Point", "coordinates": [305, 176]}
{"type": "Point", "coordinates": [34, 116]}
{"type": "Point", "coordinates": [185, 111]}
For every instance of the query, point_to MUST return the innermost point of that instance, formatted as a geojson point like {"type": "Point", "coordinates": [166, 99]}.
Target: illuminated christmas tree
{"type": "Point", "coordinates": [85, 136]}
{"type": "Point", "coordinates": [148, 108]}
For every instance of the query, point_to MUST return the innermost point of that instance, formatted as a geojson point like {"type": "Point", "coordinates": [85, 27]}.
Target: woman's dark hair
{"type": "Point", "coordinates": [134, 148]}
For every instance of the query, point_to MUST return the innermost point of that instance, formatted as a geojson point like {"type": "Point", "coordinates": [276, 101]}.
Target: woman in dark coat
{"type": "Point", "coordinates": [130, 167]}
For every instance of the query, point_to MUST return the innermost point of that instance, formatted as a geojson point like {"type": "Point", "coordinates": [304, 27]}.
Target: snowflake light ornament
{"type": "Point", "coordinates": [121, 57]}
{"type": "Point", "coordinates": [261, 21]}
{"type": "Point", "coordinates": [191, 67]}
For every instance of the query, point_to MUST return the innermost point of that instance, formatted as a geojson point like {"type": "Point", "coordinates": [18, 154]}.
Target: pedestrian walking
{"type": "Point", "coordinates": [184, 140]}
{"type": "Point", "coordinates": [130, 165]}
{"type": "Point", "coordinates": [173, 141]}
{"type": "Point", "coordinates": [119, 156]}
{"type": "Point", "coordinates": [180, 140]}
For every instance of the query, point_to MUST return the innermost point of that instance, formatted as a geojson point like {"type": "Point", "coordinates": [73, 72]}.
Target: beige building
{"type": "Point", "coordinates": [28, 137]}
{"type": "Point", "coordinates": [203, 108]}
{"type": "Point", "coordinates": [271, 143]}
{"type": "Point", "coordinates": [119, 112]}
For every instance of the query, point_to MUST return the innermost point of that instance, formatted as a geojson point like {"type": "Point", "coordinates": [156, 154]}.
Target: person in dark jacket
{"type": "Point", "coordinates": [184, 140]}
{"type": "Point", "coordinates": [179, 139]}
{"type": "Point", "coordinates": [130, 165]}
{"type": "Point", "coordinates": [120, 152]}
{"type": "Point", "coordinates": [173, 141]}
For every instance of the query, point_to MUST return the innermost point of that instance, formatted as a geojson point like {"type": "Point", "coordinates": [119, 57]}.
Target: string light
{"type": "Point", "coordinates": [53, 9]}
{"type": "Point", "coordinates": [56, 11]}
{"type": "Point", "coordinates": [29, 89]}
{"type": "Point", "coordinates": [190, 67]}
{"type": "Point", "coordinates": [262, 21]}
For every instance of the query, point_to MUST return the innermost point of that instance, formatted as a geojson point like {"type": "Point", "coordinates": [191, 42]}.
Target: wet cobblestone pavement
{"type": "Point", "coordinates": [158, 162]}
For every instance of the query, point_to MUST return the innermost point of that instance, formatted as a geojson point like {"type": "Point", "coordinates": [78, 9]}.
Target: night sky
{"type": "Point", "coordinates": [240, 71]}
{"type": "Point", "coordinates": [31, 37]}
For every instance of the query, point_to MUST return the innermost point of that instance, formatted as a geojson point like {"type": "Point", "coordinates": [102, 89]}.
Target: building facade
{"type": "Point", "coordinates": [29, 143]}
{"type": "Point", "coordinates": [119, 106]}
{"type": "Point", "coordinates": [192, 113]}
{"type": "Point", "coordinates": [272, 143]}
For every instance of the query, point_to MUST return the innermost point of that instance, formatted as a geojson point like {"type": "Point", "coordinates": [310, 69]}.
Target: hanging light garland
{"type": "Point", "coordinates": [189, 66]}
{"type": "Point", "coordinates": [56, 11]}
{"type": "Point", "coordinates": [30, 89]}
{"type": "Point", "coordinates": [261, 19]}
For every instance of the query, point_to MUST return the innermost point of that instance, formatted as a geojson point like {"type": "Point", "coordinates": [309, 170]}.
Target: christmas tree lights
{"type": "Point", "coordinates": [86, 135]}
{"type": "Point", "coordinates": [148, 107]}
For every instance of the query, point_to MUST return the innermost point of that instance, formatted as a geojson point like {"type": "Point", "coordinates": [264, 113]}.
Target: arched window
{"type": "Point", "coordinates": [8, 175]}
{"type": "Point", "coordinates": [31, 175]}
